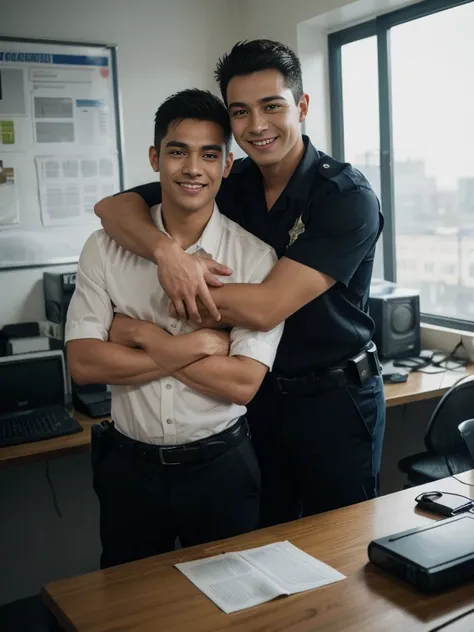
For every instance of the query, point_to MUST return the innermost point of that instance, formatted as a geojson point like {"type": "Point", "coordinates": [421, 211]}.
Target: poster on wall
{"type": "Point", "coordinates": [60, 147]}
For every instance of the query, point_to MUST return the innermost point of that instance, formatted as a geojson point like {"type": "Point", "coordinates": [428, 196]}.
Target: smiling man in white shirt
{"type": "Point", "coordinates": [180, 462]}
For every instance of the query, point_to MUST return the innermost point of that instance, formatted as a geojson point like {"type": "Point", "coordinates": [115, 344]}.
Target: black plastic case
{"type": "Point", "coordinates": [433, 557]}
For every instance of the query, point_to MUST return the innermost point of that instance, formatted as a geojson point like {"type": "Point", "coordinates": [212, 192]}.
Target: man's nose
{"type": "Point", "coordinates": [258, 123]}
{"type": "Point", "coordinates": [192, 166]}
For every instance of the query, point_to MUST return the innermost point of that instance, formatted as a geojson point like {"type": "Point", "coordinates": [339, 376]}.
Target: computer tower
{"type": "Point", "coordinates": [90, 399]}
{"type": "Point", "coordinates": [396, 314]}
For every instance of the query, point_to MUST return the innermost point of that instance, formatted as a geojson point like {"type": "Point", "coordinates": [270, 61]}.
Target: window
{"type": "Point", "coordinates": [361, 116]}
{"type": "Point", "coordinates": [401, 111]}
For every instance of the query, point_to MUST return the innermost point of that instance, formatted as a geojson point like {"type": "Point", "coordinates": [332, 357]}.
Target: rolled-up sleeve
{"type": "Point", "coordinates": [90, 311]}
{"type": "Point", "coordinates": [258, 345]}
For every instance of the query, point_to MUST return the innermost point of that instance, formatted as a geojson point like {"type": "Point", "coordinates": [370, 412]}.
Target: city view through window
{"type": "Point", "coordinates": [432, 66]}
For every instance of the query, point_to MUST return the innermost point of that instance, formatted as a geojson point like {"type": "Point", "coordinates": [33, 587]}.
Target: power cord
{"type": "Point", "coordinates": [456, 618]}
{"type": "Point", "coordinates": [437, 360]}
{"type": "Point", "coordinates": [53, 490]}
{"type": "Point", "coordinates": [460, 481]}
{"type": "Point", "coordinates": [452, 475]}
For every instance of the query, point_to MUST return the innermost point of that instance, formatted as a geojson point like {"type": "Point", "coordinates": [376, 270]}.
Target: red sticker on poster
{"type": "Point", "coordinates": [104, 72]}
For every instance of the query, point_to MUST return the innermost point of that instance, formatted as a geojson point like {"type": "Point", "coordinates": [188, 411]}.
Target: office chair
{"type": "Point", "coordinates": [446, 452]}
{"type": "Point", "coordinates": [466, 429]}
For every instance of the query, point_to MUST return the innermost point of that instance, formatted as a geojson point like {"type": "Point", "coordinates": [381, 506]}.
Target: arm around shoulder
{"type": "Point", "coordinates": [126, 219]}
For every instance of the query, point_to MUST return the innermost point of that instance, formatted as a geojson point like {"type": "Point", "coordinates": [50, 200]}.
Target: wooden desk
{"type": "Point", "coordinates": [49, 448]}
{"type": "Point", "coordinates": [150, 595]}
{"type": "Point", "coordinates": [419, 386]}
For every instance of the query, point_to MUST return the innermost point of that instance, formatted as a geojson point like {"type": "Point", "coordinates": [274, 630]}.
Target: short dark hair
{"type": "Point", "coordinates": [256, 55]}
{"type": "Point", "coordinates": [200, 105]}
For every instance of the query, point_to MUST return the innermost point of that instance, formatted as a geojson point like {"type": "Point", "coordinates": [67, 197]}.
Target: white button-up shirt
{"type": "Point", "coordinates": [111, 279]}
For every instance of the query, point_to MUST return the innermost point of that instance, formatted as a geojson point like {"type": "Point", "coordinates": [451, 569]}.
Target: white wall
{"type": "Point", "coordinates": [279, 20]}
{"type": "Point", "coordinates": [163, 46]}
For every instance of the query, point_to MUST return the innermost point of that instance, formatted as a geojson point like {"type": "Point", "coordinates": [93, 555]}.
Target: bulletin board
{"type": "Point", "coordinates": [60, 147]}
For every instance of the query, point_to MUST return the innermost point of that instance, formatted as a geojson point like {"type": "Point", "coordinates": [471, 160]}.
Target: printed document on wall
{"type": "Point", "coordinates": [69, 187]}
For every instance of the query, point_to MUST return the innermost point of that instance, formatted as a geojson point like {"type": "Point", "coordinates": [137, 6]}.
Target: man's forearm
{"type": "Point", "coordinates": [224, 378]}
{"type": "Point", "coordinates": [126, 219]}
{"type": "Point", "coordinates": [96, 362]}
{"type": "Point", "coordinates": [288, 287]}
{"type": "Point", "coordinates": [169, 352]}
{"type": "Point", "coordinates": [247, 305]}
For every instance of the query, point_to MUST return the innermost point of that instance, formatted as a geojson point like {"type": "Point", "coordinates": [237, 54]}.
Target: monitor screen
{"type": "Point", "coordinates": [30, 382]}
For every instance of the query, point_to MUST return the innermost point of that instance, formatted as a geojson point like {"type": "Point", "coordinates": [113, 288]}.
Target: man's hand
{"type": "Point", "coordinates": [206, 320]}
{"type": "Point", "coordinates": [185, 277]}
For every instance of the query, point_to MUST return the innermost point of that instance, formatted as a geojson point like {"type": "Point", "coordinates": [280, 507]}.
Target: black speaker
{"type": "Point", "coordinates": [396, 314]}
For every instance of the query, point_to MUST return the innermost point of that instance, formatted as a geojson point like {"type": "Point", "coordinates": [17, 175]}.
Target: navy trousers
{"type": "Point", "coordinates": [317, 453]}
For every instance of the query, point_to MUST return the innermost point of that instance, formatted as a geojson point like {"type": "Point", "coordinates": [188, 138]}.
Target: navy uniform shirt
{"type": "Point", "coordinates": [327, 218]}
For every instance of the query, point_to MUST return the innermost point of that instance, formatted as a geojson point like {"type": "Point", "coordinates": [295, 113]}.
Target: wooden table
{"type": "Point", "coordinates": [421, 386]}
{"type": "Point", "coordinates": [151, 595]}
{"type": "Point", "coordinates": [418, 386]}
{"type": "Point", "coordinates": [50, 448]}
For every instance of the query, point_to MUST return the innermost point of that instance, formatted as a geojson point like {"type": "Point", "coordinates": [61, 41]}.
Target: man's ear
{"type": "Point", "coordinates": [154, 159]}
{"type": "Point", "coordinates": [229, 161]}
{"type": "Point", "coordinates": [303, 107]}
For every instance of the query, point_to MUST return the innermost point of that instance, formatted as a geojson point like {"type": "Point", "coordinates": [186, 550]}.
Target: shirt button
{"type": "Point", "coordinates": [168, 386]}
{"type": "Point", "coordinates": [326, 166]}
{"type": "Point", "coordinates": [173, 325]}
{"type": "Point", "coordinates": [169, 421]}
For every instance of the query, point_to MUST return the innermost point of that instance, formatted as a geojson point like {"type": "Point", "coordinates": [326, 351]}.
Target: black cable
{"type": "Point", "coordinates": [456, 618]}
{"type": "Point", "coordinates": [417, 364]}
{"type": "Point", "coordinates": [53, 491]}
{"type": "Point", "coordinates": [450, 356]}
{"type": "Point", "coordinates": [460, 481]}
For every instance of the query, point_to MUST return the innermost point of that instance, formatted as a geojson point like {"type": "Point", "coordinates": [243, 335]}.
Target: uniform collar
{"type": "Point", "coordinates": [299, 185]}
{"type": "Point", "coordinates": [210, 238]}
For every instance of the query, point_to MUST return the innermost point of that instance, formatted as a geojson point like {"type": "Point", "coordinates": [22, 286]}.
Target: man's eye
{"type": "Point", "coordinates": [272, 106]}
{"type": "Point", "coordinates": [176, 152]}
{"type": "Point", "coordinates": [239, 112]}
{"type": "Point", "coordinates": [210, 156]}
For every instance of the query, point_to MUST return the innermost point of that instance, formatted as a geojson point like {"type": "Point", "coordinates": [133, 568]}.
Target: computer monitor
{"type": "Point", "coordinates": [31, 380]}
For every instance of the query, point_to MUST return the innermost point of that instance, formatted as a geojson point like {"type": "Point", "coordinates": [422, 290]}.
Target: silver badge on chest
{"type": "Point", "coordinates": [297, 230]}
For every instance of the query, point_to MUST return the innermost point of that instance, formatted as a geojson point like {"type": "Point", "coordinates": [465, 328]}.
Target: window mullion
{"type": "Point", "coordinates": [386, 152]}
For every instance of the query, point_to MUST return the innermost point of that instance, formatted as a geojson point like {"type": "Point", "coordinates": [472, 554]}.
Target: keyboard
{"type": "Point", "coordinates": [36, 425]}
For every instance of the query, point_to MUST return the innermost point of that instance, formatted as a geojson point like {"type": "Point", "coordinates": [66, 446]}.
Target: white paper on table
{"type": "Point", "coordinates": [235, 581]}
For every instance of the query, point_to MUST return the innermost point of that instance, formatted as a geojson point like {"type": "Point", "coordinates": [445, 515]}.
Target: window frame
{"type": "Point", "coordinates": [380, 28]}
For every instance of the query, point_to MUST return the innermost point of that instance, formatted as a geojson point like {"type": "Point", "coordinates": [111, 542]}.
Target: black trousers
{"type": "Point", "coordinates": [317, 453]}
{"type": "Point", "coordinates": [145, 505]}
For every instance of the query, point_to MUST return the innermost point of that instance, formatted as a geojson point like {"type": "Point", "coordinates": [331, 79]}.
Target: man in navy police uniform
{"type": "Point", "coordinates": [318, 420]}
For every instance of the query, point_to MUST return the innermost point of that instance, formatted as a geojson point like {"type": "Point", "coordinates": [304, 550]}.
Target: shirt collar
{"type": "Point", "coordinates": [299, 185]}
{"type": "Point", "coordinates": [210, 238]}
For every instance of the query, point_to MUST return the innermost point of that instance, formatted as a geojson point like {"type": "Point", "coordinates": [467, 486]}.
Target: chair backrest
{"type": "Point", "coordinates": [442, 434]}
{"type": "Point", "coordinates": [466, 430]}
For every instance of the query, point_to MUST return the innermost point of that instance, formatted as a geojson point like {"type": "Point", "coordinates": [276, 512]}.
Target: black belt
{"type": "Point", "coordinates": [356, 370]}
{"type": "Point", "coordinates": [193, 452]}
